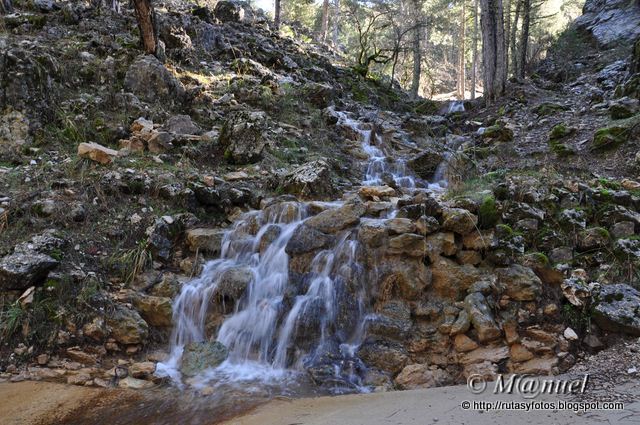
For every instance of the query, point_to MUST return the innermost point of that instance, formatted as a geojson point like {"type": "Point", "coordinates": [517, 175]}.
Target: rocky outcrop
{"type": "Point", "coordinates": [617, 309]}
{"type": "Point", "coordinates": [610, 21]}
{"type": "Point", "coordinates": [151, 81]}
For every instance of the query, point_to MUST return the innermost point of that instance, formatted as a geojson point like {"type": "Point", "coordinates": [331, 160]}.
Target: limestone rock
{"type": "Point", "coordinates": [198, 356]}
{"type": "Point", "coordinates": [335, 219]}
{"type": "Point", "coordinates": [310, 179]}
{"type": "Point", "coordinates": [127, 327]}
{"type": "Point", "coordinates": [96, 152]}
{"type": "Point", "coordinates": [416, 376]}
{"type": "Point", "coordinates": [519, 283]}
{"type": "Point", "coordinates": [384, 355]}
{"type": "Point", "coordinates": [408, 244]}
{"type": "Point", "coordinates": [481, 317]}
{"type": "Point", "coordinates": [459, 220]}
{"type": "Point", "coordinates": [156, 311]}
{"type": "Point", "coordinates": [21, 270]}
{"type": "Point", "coordinates": [618, 309]}
{"type": "Point", "coordinates": [205, 240]}
{"type": "Point", "coordinates": [151, 81]}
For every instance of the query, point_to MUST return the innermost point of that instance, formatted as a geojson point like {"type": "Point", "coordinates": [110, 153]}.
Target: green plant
{"type": "Point", "coordinates": [134, 261]}
{"type": "Point", "coordinates": [488, 215]}
{"type": "Point", "coordinates": [11, 319]}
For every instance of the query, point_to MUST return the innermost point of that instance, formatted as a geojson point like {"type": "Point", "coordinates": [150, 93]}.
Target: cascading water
{"type": "Point", "coordinates": [263, 333]}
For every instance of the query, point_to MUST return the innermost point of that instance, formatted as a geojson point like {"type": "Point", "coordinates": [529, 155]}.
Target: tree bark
{"type": "Point", "coordinates": [417, 56]}
{"type": "Point", "coordinates": [474, 65]}
{"type": "Point", "coordinates": [325, 20]}
{"type": "Point", "coordinates": [514, 35]}
{"type": "Point", "coordinates": [494, 75]}
{"type": "Point", "coordinates": [146, 24]}
{"type": "Point", "coordinates": [276, 14]}
{"type": "Point", "coordinates": [336, 22]}
{"type": "Point", "coordinates": [461, 60]}
{"type": "Point", "coordinates": [524, 37]}
{"type": "Point", "coordinates": [507, 32]}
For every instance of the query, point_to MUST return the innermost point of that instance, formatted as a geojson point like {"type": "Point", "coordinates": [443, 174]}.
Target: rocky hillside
{"type": "Point", "coordinates": [121, 173]}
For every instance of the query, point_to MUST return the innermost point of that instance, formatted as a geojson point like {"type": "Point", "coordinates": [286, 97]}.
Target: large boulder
{"type": "Point", "coordinates": [198, 356]}
{"type": "Point", "coordinates": [234, 282]}
{"type": "Point", "coordinates": [242, 138]}
{"type": "Point", "coordinates": [205, 240]}
{"type": "Point", "coordinates": [307, 239]}
{"type": "Point", "coordinates": [459, 220]}
{"type": "Point", "coordinates": [21, 270]}
{"type": "Point", "coordinates": [426, 164]}
{"type": "Point", "coordinates": [233, 11]}
{"type": "Point", "coordinates": [151, 81]}
{"type": "Point", "coordinates": [618, 309]}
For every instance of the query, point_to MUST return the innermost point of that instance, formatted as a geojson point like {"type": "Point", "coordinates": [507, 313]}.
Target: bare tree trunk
{"type": "Point", "coordinates": [524, 37]}
{"type": "Point", "coordinates": [494, 76]}
{"type": "Point", "coordinates": [461, 60]}
{"type": "Point", "coordinates": [276, 14]}
{"type": "Point", "coordinates": [507, 33]}
{"type": "Point", "coordinates": [5, 6]}
{"type": "Point", "coordinates": [336, 22]}
{"type": "Point", "coordinates": [146, 24]}
{"type": "Point", "coordinates": [417, 56]}
{"type": "Point", "coordinates": [474, 66]}
{"type": "Point", "coordinates": [325, 20]}
{"type": "Point", "coordinates": [514, 35]}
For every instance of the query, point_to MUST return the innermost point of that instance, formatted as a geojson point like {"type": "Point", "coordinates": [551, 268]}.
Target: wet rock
{"type": "Point", "coordinates": [127, 327]}
{"type": "Point", "coordinates": [372, 233]}
{"type": "Point", "coordinates": [150, 81]}
{"type": "Point", "coordinates": [617, 309]}
{"type": "Point", "coordinates": [142, 369]}
{"type": "Point", "coordinates": [96, 152]}
{"type": "Point", "coordinates": [519, 283]}
{"type": "Point", "coordinates": [134, 384]}
{"type": "Point", "coordinates": [198, 356]}
{"type": "Point", "coordinates": [234, 282]}
{"type": "Point", "coordinates": [21, 270]}
{"type": "Point", "coordinates": [205, 240]}
{"type": "Point", "coordinates": [310, 179]}
{"type": "Point", "coordinates": [408, 244]}
{"type": "Point", "coordinates": [307, 239]}
{"type": "Point", "coordinates": [384, 355]}
{"type": "Point", "coordinates": [393, 321]}
{"type": "Point", "coordinates": [426, 164]}
{"type": "Point", "coordinates": [481, 317]}
{"type": "Point", "coordinates": [459, 220]}
{"type": "Point", "coordinates": [156, 311]}
{"type": "Point", "coordinates": [335, 219]}
{"type": "Point", "coordinates": [416, 376]}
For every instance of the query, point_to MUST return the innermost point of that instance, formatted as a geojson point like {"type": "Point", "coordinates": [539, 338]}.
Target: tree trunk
{"type": "Point", "coordinates": [336, 22]}
{"type": "Point", "coordinates": [417, 57]}
{"type": "Point", "coordinates": [524, 37]}
{"type": "Point", "coordinates": [514, 35]}
{"type": "Point", "coordinates": [325, 20]}
{"type": "Point", "coordinates": [276, 15]}
{"type": "Point", "coordinates": [5, 6]}
{"type": "Point", "coordinates": [146, 24]}
{"type": "Point", "coordinates": [474, 65]}
{"type": "Point", "coordinates": [494, 75]}
{"type": "Point", "coordinates": [507, 32]}
{"type": "Point", "coordinates": [461, 60]}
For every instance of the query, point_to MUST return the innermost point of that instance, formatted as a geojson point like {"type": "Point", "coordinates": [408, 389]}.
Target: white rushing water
{"type": "Point", "coordinates": [263, 332]}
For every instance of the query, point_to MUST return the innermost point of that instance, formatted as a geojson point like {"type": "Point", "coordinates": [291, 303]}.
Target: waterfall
{"type": "Point", "coordinates": [261, 332]}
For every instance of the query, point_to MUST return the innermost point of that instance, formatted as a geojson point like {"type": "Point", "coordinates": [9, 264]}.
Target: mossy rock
{"type": "Point", "coordinates": [498, 133]}
{"type": "Point", "coordinates": [427, 107]}
{"type": "Point", "coordinates": [619, 112]}
{"type": "Point", "coordinates": [631, 88]}
{"type": "Point", "coordinates": [548, 108]}
{"type": "Point", "coordinates": [488, 214]}
{"type": "Point", "coordinates": [560, 131]}
{"type": "Point", "coordinates": [561, 149]}
{"type": "Point", "coordinates": [199, 356]}
{"type": "Point", "coordinates": [609, 138]}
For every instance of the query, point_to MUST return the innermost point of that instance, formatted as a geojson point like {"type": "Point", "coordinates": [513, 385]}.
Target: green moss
{"type": "Point", "coordinates": [561, 149]}
{"type": "Point", "coordinates": [609, 138]}
{"type": "Point", "coordinates": [619, 112]}
{"type": "Point", "coordinates": [548, 108]}
{"type": "Point", "coordinates": [498, 133]}
{"type": "Point", "coordinates": [505, 230]}
{"type": "Point", "coordinates": [427, 107]}
{"type": "Point", "coordinates": [488, 215]}
{"type": "Point", "coordinates": [560, 131]}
